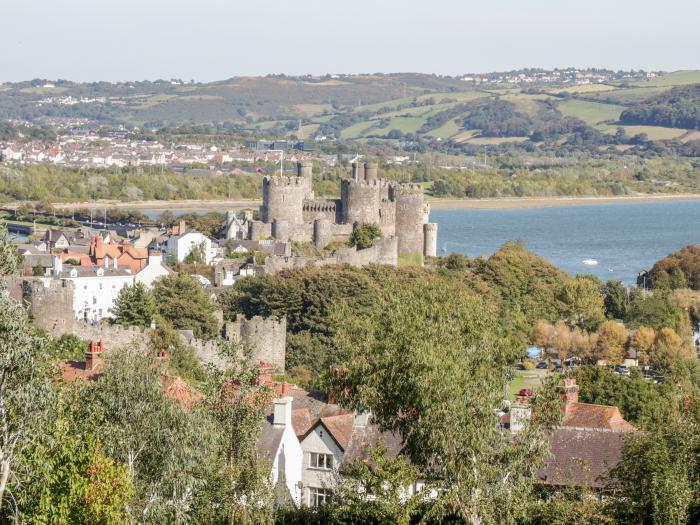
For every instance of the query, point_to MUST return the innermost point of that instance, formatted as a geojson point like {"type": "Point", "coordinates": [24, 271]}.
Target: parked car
{"type": "Point", "coordinates": [525, 392]}
{"type": "Point", "coordinates": [542, 365]}
{"type": "Point", "coordinates": [622, 370]}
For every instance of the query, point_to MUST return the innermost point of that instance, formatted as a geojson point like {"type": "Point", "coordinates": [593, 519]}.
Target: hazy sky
{"type": "Point", "coordinates": [216, 39]}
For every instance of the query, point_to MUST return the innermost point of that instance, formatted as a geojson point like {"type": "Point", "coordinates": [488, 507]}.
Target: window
{"type": "Point", "coordinates": [100, 286]}
{"type": "Point", "coordinates": [319, 496]}
{"type": "Point", "coordinates": [94, 300]}
{"type": "Point", "coordinates": [321, 461]}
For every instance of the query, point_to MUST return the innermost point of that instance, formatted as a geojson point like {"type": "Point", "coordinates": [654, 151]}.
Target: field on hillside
{"type": "Point", "coordinates": [592, 113]}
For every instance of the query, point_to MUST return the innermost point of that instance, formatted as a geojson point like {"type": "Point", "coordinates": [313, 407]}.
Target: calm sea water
{"type": "Point", "coordinates": [623, 238]}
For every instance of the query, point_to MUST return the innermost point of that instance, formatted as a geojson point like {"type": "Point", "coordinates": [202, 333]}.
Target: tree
{"type": "Point", "coordinates": [364, 234]}
{"type": "Point", "coordinates": [428, 363]}
{"type": "Point", "coordinates": [134, 306]}
{"type": "Point", "coordinates": [615, 300]}
{"type": "Point", "coordinates": [582, 302]}
{"type": "Point", "coordinates": [612, 342]}
{"type": "Point", "coordinates": [8, 255]}
{"type": "Point", "coordinates": [25, 393]}
{"type": "Point", "coordinates": [167, 449]}
{"type": "Point", "coordinates": [644, 341]}
{"type": "Point", "coordinates": [182, 301]}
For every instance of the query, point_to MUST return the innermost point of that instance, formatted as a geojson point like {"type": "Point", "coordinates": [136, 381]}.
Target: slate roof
{"type": "Point", "coordinates": [582, 457]}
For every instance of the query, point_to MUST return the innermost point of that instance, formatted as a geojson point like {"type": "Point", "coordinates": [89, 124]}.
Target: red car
{"type": "Point", "coordinates": [525, 392]}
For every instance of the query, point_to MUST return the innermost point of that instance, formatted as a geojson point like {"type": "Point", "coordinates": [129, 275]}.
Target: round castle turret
{"type": "Point", "coordinates": [409, 218]}
{"type": "Point", "coordinates": [430, 239]}
{"type": "Point", "coordinates": [283, 197]}
{"type": "Point", "coordinates": [360, 200]}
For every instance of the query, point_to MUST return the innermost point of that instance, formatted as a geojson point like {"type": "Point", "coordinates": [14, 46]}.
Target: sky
{"type": "Point", "coordinates": [205, 40]}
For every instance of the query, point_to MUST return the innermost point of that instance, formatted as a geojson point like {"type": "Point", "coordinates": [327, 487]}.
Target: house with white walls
{"type": "Point", "coordinates": [154, 270]}
{"type": "Point", "coordinates": [95, 287]}
{"type": "Point", "coordinates": [180, 246]}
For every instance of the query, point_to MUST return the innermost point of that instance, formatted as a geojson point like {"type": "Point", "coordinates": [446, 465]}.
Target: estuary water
{"type": "Point", "coordinates": [623, 238]}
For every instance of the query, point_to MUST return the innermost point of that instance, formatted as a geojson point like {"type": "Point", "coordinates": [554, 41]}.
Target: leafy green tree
{"type": "Point", "coordinates": [8, 255]}
{"type": "Point", "coordinates": [382, 481]}
{"type": "Point", "coordinates": [25, 394]}
{"type": "Point", "coordinates": [615, 300]}
{"type": "Point", "coordinates": [612, 342]}
{"type": "Point", "coordinates": [182, 301]}
{"type": "Point", "coordinates": [364, 235]}
{"type": "Point", "coordinates": [167, 449]}
{"type": "Point", "coordinates": [134, 306]}
{"type": "Point", "coordinates": [582, 302]}
{"type": "Point", "coordinates": [428, 363]}
{"type": "Point", "coordinates": [659, 470]}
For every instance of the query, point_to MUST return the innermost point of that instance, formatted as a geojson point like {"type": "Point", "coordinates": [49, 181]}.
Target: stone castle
{"type": "Point", "coordinates": [290, 211]}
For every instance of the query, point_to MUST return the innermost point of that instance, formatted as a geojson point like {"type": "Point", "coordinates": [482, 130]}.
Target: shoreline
{"type": "Point", "coordinates": [506, 203]}
{"type": "Point", "coordinates": [514, 203]}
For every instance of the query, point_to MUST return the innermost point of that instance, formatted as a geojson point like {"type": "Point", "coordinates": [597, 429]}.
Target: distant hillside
{"type": "Point", "coordinates": [677, 108]}
{"type": "Point", "coordinates": [383, 109]}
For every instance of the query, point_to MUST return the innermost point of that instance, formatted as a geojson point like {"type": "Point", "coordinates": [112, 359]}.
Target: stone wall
{"type": "Point", "coordinates": [50, 304]}
{"type": "Point", "coordinates": [266, 337]}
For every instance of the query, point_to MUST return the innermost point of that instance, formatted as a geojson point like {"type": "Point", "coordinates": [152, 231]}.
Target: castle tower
{"type": "Point", "coordinates": [305, 170]}
{"type": "Point", "coordinates": [371, 171]}
{"type": "Point", "coordinates": [283, 198]}
{"type": "Point", "coordinates": [322, 232]}
{"type": "Point", "coordinates": [360, 200]}
{"type": "Point", "coordinates": [409, 218]}
{"type": "Point", "coordinates": [358, 171]}
{"type": "Point", "coordinates": [280, 230]}
{"type": "Point", "coordinates": [430, 239]}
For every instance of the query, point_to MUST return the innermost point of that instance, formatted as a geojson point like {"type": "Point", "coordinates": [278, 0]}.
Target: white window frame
{"type": "Point", "coordinates": [321, 461]}
{"type": "Point", "coordinates": [319, 496]}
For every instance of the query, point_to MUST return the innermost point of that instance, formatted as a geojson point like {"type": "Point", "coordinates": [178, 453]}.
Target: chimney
{"type": "Point", "coordinates": [283, 410]}
{"type": "Point", "coordinates": [265, 374]}
{"type": "Point", "coordinates": [57, 266]}
{"type": "Point", "coordinates": [114, 261]}
{"type": "Point", "coordinates": [93, 356]}
{"type": "Point", "coordinates": [183, 228]}
{"type": "Point", "coordinates": [106, 261]}
{"type": "Point", "coordinates": [520, 413]}
{"type": "Point", "coordinates": [570, 391]}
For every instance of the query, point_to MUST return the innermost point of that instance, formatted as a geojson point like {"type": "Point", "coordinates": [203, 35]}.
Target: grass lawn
{"type": "Point", "coordinates": [677, 78]}
{"type": "Point", "coordinates": [525, 379]}
{"type": "Point", "coordinates": [357, 130]}
{"type": "Point", "coordinates": [403, 124]}
{"type": "Point", "coordinates": [591, 113]}
{"type": "Point", "coordinates": [585, 88]}
{"type": "Point", "coordinates": [445, 131]}
{"type": "Point", "coordinates": [653, 132]}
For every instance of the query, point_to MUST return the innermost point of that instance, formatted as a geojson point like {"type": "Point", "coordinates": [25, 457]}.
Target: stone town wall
{"type": "Point", "coordinates": [50, 303]}
{"type": "Point", "coordinates": [266, 337]}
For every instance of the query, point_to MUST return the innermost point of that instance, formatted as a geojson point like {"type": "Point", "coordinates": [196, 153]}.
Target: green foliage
{"type": "Point", "coordinates": [455, 261]}
{"type": "Point", "coordinates": [197, 254]}
{"type": "Point", "coordinates": [582, 302]}
{"type": "Point", "coordinates": [8, 255]}
{"type": "Point", "coordinates": [25, 395]}
{"type": "Point", "coordinates": [615, 300]}
{"type": "Point", "coordinates": [134, 306]}
{"type": "Point", "coordinates": [659, 470]}
{"type": "Point", "coordinates": [67, 347]}
{"type": "Point", "coordinates": [168, 450]}
{"type": "Point", "coordinates": [364, 235]}
{"type": "Point", "coordinates": [641, 402]}
{"type": "Point", "coordinates": [182, 359]}
{"type": "Point", "coordinates": [428, 363]}
{"type": "Point", "coordinates": [182, 301]}
{"type": "Point", "coordinates": [677, 108]}
{"type": "Point", "coordinates": [657, 311]}
{"type": "Point", "coordinates": [679, 269]}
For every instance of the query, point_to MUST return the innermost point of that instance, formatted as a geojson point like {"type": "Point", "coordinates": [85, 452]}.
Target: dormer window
{"type": "Point", "coordinates": [74, 273]}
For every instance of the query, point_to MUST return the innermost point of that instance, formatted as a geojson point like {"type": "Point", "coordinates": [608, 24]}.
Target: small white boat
{"type": "Point", "coordinates": [590, 262]}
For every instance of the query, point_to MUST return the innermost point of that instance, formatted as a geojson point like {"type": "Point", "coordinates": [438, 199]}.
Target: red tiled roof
{"type": "Point", "coordinates": [340, 427]}
{"type": "Point", "coordinates": [72, 370]}
{"type": "Point", "coordinates": [177, 390]}
{"type": "Point", "coordinates": [584, 415]}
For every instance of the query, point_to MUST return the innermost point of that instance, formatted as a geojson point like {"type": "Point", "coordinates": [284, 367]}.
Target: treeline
{"type": "Point", "coordinates": [676, 108]}
{"type": "Point", "coordinates": [57, 184]}
{"type": "Point", "coordinates": [679, 269]}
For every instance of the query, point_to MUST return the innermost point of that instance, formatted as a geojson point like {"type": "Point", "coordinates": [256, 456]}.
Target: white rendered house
{"type": "Point", "coordinates": [95, 287]}
{"type": "Point", "coordinates": [154, 270]}
{"type": "Point", "coordinates": [180, 246]}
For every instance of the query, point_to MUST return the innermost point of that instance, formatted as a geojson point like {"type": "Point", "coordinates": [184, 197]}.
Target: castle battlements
{"type": "Point", "coordinates": [375, 183]}
{"type": "Point", "coordinates": [285, 180]}
{"type": "Point", "coordinates": [290, 211]}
